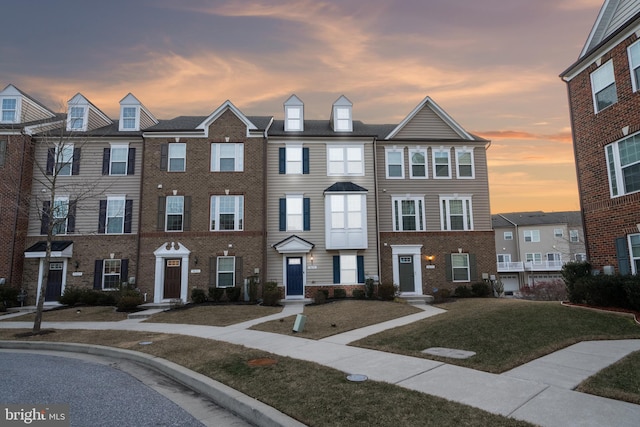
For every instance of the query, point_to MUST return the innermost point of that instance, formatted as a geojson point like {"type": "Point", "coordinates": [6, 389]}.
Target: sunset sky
{"type": "Point", "coordinates": [493, 65]}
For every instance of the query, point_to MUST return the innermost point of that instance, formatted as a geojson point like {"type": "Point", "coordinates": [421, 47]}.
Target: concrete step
{"type": "Point", "coordinates": [417, 299]}
{"type": "Point", "coordinates": [303, 301]}
{"type": "Point", "coordinates": [145, 314]}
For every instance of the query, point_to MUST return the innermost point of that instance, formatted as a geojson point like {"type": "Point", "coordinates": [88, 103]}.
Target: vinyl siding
{"type": "Point", "coordinates": [87, 210]}
{"type": "Point", "coordinates": [30, 112]}
{"type": "Point", "coordinates": [145, 120]}
{"type": "Point", "coordinates": [625, 11]}
{"type": "Point", "coordinates": [432, 189]}
{"type": "Point", "coordinates": [95, 121]}
{"type": "Point", "coordinates": [313, 186]}
{"type": "Point", "coordinates": [427, 122]}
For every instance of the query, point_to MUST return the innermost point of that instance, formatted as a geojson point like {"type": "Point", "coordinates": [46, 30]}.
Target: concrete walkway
{"type": "Point", "coordinates": [539, 392]}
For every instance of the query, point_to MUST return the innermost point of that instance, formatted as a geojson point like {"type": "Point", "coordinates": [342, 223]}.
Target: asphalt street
{"type": "Point", "coordinates": [103, 392]}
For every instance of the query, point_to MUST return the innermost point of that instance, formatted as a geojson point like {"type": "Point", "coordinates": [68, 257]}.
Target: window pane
{"type": "Point", "coordinates": [606, 97]}
{"type": "Point", "coordinates": [631, 178]}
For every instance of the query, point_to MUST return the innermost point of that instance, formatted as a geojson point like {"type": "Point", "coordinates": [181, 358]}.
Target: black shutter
{"type": "Point", "coordinates": [162, 202]}
{"type": "Point", "coordinates": [336, 269]}
{"type": "Point", "coordinates": [164, 156]}
{"type": "Point", "coordinates": [624, 266]}
{"type": "Point", "coordinates": [212, 271]}
{"type": "Point", "coordinates": [282, 162]}
{"type": "Point", "coordinates": [46, 217]}
{"type": "Point", "coordinates": [360, 264]}
{"type": "Point", "coordinates": [97, 275]}
{"type": "Point", "coordinates": [128, 215]}
{"type": "Point", "coordinates": [124, 270]}
{"type": "Point", "coordinates": [51, 160]}
{"type": "Point", "coordinates": [3, 151]}
{"type": "Point", "coordinates": [283, 214]}
{"type": "Point", "coordinates": [447, 268]}
{"type": "Point", "coordinates": [186, 222]}
{"type": "Point", "coordinates": [131, 163]}
{"type": "Point", "coordinates": [106, 160]}
{"type": "Point", "coordinates": [75, 166]}
{"type": "Point", "coordinates": [306, 216]}
{"type": "Point", "coordinates": [239, 275]}
{"type": "Point", "coordinates": [71, 217]}
{"type": "Point", "coordinates": [102, 217]}
{"type": "Point", "coordinates": [305, 160]}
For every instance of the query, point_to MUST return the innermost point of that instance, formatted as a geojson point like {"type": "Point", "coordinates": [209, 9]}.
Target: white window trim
{"type": "Point", "coordinates": [533, 257]}
{"type": "Point", "coordinates": [508, 233]}
{"type": "Point", "coordinates": [358, 232]}
{"type": "Point", "coordinates": [389, 150]}
{"type": "Point", "coordinates": [434, 151]}
{"type": "Point", "coordinates": [633, 66]}
{"type": "Point", "coordinates": [580, 257]}
{"type": "Point", "coordinates": [345, 161]}
{"type": "Point", "coordinates": [468, 268]}
{"type": "Point", "coordinates": [175, 144]}
{"type": "Point", "coordinates": [423, 151]}
{"type": "Point", "coordinates": [126, 158]}
{"type": "Point", "coordinates": [632, 259]}
{"type": "Point", "coordinates": [238, 156]}
{"type": "Point", "coordinates": [617, 165]}
{"type": "Point", "coordinates": [337, 121]}
{"type": "Point", "coordinates": [291, 197]}
{"type": "Point", "coordinates": [288, 150]}
{"type": "Point", "coordinates": [166, 216]}
{"type": "Point", "coordinates": [238, 212]}
{"type": "Point", "coordinates": [297, 122]}
{"type": "Point", "coordinates": [506, 258]}
{"type": "Point", "coordinates": [85, 118]}
{"type": "Point", "coordinates": [136, 125]}
{"type": "Point", "coordinates": [600, 70]}
{"type": "Point", "coordinates": [534, 236]}
{"type": "Point", "coordinates": [104, 274]}
{"type": "Point", "coordinates": [344, 271]}
{"type": "Point", "coordinates": [218, 271]}
{"type": "Point", "coordinates": [17, 112]}
{"type": "Point", "coordinates": [460, 151]}
{"type": "Point", "coordinates": [64, 200]}
{"type": "Point", "coordinates": [558, 233]}
{"type": "Point", "coordinates": [59, 160]}
{"type": "Point", "coordinates": [574, 236]}
{"type": "Point", "coordinates": [467, 212]}
{"type": "Point", "coordinates": [420, 212]}
{"type": "Point", "coordinates": [111, 199]}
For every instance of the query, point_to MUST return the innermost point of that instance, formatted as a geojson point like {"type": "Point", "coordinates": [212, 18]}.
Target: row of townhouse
{"type": "Point", "coordinates": [532, 247]}
{"type": "Point", "coordinates": [208, 201]}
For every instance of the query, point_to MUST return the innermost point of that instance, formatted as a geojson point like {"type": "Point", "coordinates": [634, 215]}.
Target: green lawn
{"type": "Point", "coordinates": [504, 333]}
{"type": "Point", "coordinates": [620, 381]}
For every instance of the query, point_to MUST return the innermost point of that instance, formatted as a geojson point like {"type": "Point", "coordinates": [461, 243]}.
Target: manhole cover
{"type": "Point", "coordinates": [357, 378]}
{"type": "Point", "coordinates": [449, 352]}
{"type": "Point", "coordinates": [265, 361]}
{"type": "Point", "coordinates": [145, 342]}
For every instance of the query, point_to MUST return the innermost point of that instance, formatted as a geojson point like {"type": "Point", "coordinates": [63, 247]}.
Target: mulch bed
{"type": "Point", "coordinates": [635, 314]}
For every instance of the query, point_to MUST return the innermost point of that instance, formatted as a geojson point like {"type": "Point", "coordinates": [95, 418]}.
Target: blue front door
{"type": "Point", "coordinates": [294, 277]}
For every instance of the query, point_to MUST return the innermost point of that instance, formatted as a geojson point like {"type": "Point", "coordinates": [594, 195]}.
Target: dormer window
{"type": "Point", "coordinates": [76, 119]}
{"type": "Point", "coordinates": [129, 118]}
{"type": "Point", "coordinates": [341, 115]}
{"type": "Point", "coordinates": [293, 115]}
{"type": "Point", "coordinates": [9, 110]}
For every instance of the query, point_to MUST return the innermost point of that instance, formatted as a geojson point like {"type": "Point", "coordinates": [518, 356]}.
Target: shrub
{"type": "Point", "coordinates": [321, 296]}
{"type": "Point", "coordinates": [198, 296]}
{"type": "Point", "coordinates": [254, 281]}
{"type": "Point", "coordinates": [571, 272]}
{"type": "Point", "coordinates": [233, 293]}
{"type": "Point", "coordinates": [603, 291]}
{"type": "Point", "coordinates": [215, 294]}
{"type": "Point", "coordinates": [463, 291]}
{"type": "Point", "coordinates": [358, 293]}
{"type": "Point", "coordinates": [480, 289]}
{"type": "Point", "coordinates": [632, 290]}
{"type": "Point", "coordinates": [339, 293]}
{"type": "Point", "coordinates": [554, 290]}
{"type": "Point", "coordinates": [8, 296]}
{"type": "Point", "coordinates": [71, 296]}
{"type": "Point", "coordinates": [386, 291]}
{"type": "Point", "coordinates": [129, 302]}
{"type": "Point", "coordinates": [369, 287]}
{"type": "Point", "coordinates": [270, 293]}
{"type": "Point", "coordinates": [106, 298]}
{"type": "Point", "coordinates": [441, 295]}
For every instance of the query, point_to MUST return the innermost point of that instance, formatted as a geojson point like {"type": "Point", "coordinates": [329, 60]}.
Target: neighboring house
{"type": "Point", "coordinates": [203, 198]}
{"type": "Point", "coordinates": [18, 112]}
{"type": "Point", "coordinates": [86, 189]}
{"type": "Point", "coordinates": [532, 247]}
{"type": "Point", "coordinates": [603, 87]}
{"type": "Point", "coordinates": [321, 201]}
{"type": "Point", "coordinates": [433, 203]}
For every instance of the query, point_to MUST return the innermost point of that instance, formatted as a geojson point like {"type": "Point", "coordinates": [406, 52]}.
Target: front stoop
{"type": "Point", "coordinates": [417, 299]}
{"type": "Point", "coordinates": [303, 301]}
{"type": "Point", "coordinates": [145, 314]}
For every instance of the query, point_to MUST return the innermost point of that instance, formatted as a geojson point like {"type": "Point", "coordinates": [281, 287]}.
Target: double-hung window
{"type": "Point", "coordinates": [226, 271]}
{"type": "Point", "coordinates": [634, 252]}
{"type": "Point", "coordinates": [129, 118]}
{"type": "Point", "coordinates": [456, 213]}
{"type": "Point", "coordinates": [418, 163]}
{"type": "Point", "coordinates": [177, 157]}
{"type": "Point", "coordinates": [408, 214]}
{"type": "Point", "coordinates": [603, 87]}
{"type": "Point", "coordinates": [395, 163]}
{"type": "Point", "coordinates": [535, 258]}
{"type": "Point", "coordinates": [347, 160]}
{"type": "Point", "coordinates": [294, 116]}
{"type": "Point", "coordinates": [634, 65]}
{"type": "Point", "coordinates": [342, 119]}
{"type": "Point", "coordinates": [175, 213]}
{"type": "Point", "coordinates": [111, 270]}
{"type": "Point", "coordinates": [9, 110]}
{"type": "Point", "coordinates": [64, 159]}
{"type": "Point", "coordinates": [558, 232]}
{"type": "Point", "coordinates": [118, 159]}
{"type": "Point", "coordinates": [441, 163]}
{"type": "Point", "coordinates": [508, 235]}
{"type": "Point", "coordinates": [573, 236]}
{"type": "Point", "coordinates": [76, 118]}
{"type": "Point", "coordinates": [227, 157]}
{"type": "Point", "coordinates": [464, 163]}
{"type": "Point", "coordinates": [531, 236]}
{"type": "Point", "coordinates": [227, 213]}
{"type": "Point", "coordinates": [60, 215]}
{"type": "Point", "coordinates": [460, 271]}
{"type": "Point", "coordinates": [623, 164]}
{"type": "Point", "coordinates": [115, 215]}
{"type": "Point", "coordinates": [346, 221]}
{"type": "Point", "coordinates": [295, 213]}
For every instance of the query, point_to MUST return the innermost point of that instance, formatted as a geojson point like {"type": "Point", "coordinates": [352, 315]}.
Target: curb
{"type": "Point", "coordinates": [246, 407]}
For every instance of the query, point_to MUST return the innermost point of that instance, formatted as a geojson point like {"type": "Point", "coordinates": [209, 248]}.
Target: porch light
{"type": "Point", "coordinates": [430, 258]}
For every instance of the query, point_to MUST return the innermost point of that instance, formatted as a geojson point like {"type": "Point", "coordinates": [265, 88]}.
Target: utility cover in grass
{"type": "Point", "coordinates": [449, 352]}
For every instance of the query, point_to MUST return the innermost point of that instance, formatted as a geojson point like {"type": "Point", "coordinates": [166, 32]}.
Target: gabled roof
{"type": "Point", "coordinates": [227, 105]}
{"type": "Point", "coordinates": [79, 99]}
{"type": "Point", "coordinates": [43, 112]}
{"type": "Point", "coordinates": [446, 122]}
{"type": "Point", "coordinates": [613, 15]}
{"type": "Point", "coordinates": [130, 99]}
{"type": "Point", "coordinates": [571, 218]}
{"type": "Point", "coordinates": [293, 244]}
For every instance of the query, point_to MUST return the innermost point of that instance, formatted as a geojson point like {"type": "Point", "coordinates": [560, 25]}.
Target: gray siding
{"type": "Point", "coordinates": [427, 124]}
{"type": "Point", "coordinates": [31, 112]}
{"type": "Point", "coordinates": [89, 187]}
{"type": "Point", "coordinates": [625, 10]}
{"type": "Point", "coordinates": [145, 120]}
{"type": "Point", "coordinates": [95, 121]}
{"type": "Point", "coordinates": [432, 189]}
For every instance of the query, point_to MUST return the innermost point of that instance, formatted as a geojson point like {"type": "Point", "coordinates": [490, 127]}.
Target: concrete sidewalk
{"type": "Point", "coordinates": [539, 392]}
